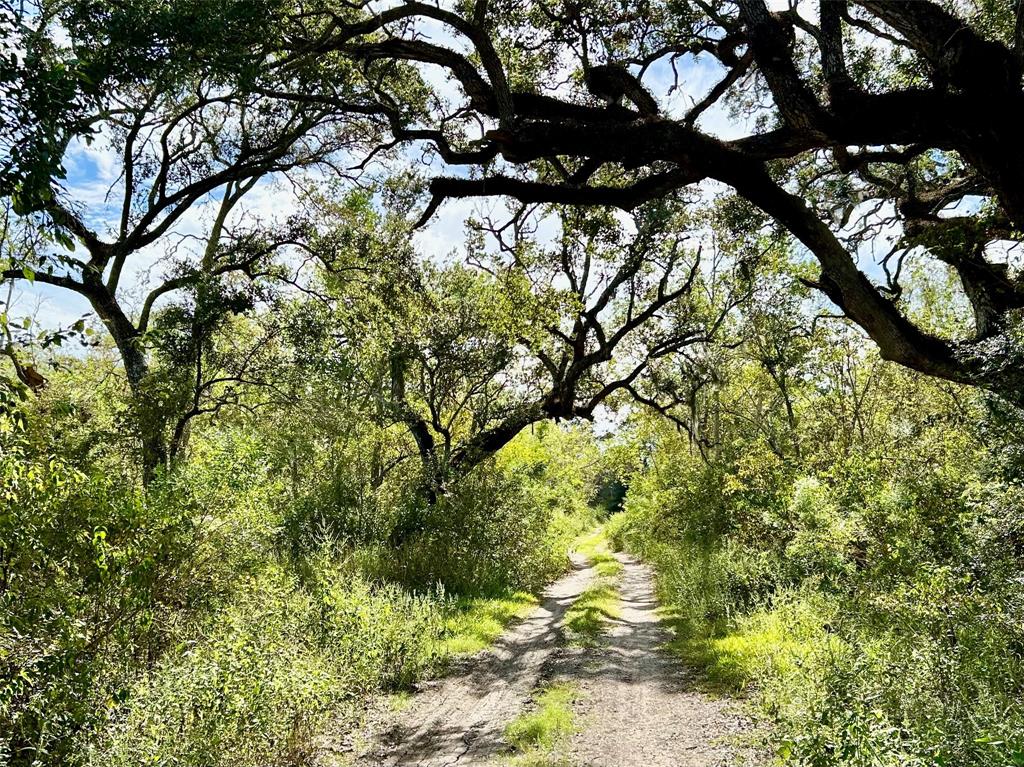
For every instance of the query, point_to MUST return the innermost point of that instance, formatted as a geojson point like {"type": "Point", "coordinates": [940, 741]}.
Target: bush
{"type": "Point", "coordinates": [487, 536]}
{"type": "Point", "coordinates": [823, 538]}
{"type": "Point", "coordinates": [877, 613]}
{"type": "Point", "coordinates": [505, 527]}
{"type": "Point", "coordinates": [90, 574]}
{"type": "Point", "coordinates": [919, 676]}
{"type": "Point", "coordinates": [259, 679]}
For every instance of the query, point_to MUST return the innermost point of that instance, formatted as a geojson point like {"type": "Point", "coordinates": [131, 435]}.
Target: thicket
{"type": "Point", "coordinates": [238, 605]}
{"type": "Point", "coordinates": [856, 566]}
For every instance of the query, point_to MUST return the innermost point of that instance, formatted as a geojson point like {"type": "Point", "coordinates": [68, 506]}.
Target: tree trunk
{"type": "Point", "coordinates": [136, 368]}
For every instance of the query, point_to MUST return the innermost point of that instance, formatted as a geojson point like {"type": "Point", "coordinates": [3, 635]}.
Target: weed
{"type": "Point", "coordinates": [536, 736]}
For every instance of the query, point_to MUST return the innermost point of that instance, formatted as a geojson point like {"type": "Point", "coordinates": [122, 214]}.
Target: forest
{"type": "Point", "coordinates": [525, 383]}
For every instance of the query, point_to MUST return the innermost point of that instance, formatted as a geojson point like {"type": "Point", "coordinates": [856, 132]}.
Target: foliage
{"type": "Point", "coordinates": [298, 462]}
{"type": "Point", "coordinates": [853, 585]}
{"type": "Point", "coordinates": [90, 573]}
{"type": "Point", "coordinates": [257, 681]}
{"type": "Point", "coordinates": [208, 619]}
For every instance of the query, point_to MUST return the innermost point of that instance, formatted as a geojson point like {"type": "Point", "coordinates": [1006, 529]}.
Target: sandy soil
{"type": "Point", "coordinates": [637, 707]}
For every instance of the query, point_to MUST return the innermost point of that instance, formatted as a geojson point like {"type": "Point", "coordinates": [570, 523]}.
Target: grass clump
{"type": "Point", "coordinates": [536, 735]}
{"type": "Point", "coordinates": [776, 642]}
{"type": "Point", "coordinates": [595, 547]}
{"type": "Point", "coordinates": [475, 622]}
{"type": "Point", "coordinates": [589, 614]}
{"type": "Point", "coordinates": [587, 618]}
{"type": "Point", "coordinates": [258, 681]}
{"type": "Point", "coordinates": [255, 683]}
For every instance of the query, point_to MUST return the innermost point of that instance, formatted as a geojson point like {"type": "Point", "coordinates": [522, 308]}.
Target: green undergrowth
{"type": "Point", "coordinates": [588, 616]}
{"type": "Point", "coordinates": [264, 675]}
{"type": "Point", "coordinates": [537, 735]}
{"type": "Point", "coordinates": [774, 643]}
{"type": "Point", "coordinates": [774, 647]}
{"type": "Point", "coordinates": [871, 664]}
{"type": "Point", "coordinates": [473, 623]}
{"type": "Point", "coordinates": [255, 683]}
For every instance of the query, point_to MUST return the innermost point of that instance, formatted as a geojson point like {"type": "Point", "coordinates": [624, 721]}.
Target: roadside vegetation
{"type": "Point", "coordinates": [215, 620]}
{"type": "Point", "coordinates": [328, 328]}
{"type": "Point", "coordinates": [848, 562]}
{"type": "Point", "coordinates": [473, 623]}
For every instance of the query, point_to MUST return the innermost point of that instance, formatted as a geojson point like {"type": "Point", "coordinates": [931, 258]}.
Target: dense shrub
{"type": "Point", "coordinates": [487, 536]}
{"type": "Point", "coordinates": [90, 573]}
{"type": "Point", "coordinates": [872, 600]}
{"type": "Point", "coordinates": [505, 527]}
{"type": "Point", "coordinates": [259, 679]}
{"type": "Point", "coordinates": [230, 614]}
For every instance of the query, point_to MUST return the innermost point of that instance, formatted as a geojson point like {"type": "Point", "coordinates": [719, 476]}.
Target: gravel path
{"type": "Point", "coordinates": [637, 708]}
{"type": "Point", "coordinates": [460, 719]}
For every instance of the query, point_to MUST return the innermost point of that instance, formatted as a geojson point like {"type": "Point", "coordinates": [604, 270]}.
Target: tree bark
{"type": "Point", "coordinates": [136, 367]}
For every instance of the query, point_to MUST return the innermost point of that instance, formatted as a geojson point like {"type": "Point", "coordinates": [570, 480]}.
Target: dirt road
{"type": "Point", "coordinates": [636, 706]}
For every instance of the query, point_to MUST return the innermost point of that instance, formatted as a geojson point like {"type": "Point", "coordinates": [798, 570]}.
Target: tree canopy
{"type": "Point", "coordinates": [850, 123]}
